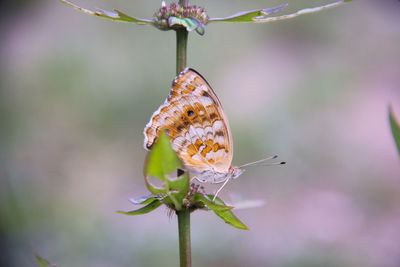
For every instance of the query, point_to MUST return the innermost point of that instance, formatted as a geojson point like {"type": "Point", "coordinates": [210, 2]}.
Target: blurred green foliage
{"type": "Point", "coordinates": [394, 125]}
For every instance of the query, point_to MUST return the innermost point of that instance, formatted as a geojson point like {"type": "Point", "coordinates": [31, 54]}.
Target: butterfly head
{"type": "Point", "coordinates": [235, 171]}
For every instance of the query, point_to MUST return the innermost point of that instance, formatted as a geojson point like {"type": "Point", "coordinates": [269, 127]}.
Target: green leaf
{"type": "Point", "coordinates": [261, 15]}
{"type": "Point", "coordinates": [190, 23]}
{"type": "Point", "coordinates": [144, 200]}
{"type": "Point", "coordinates": [247, 16]}
{"type": "Point", "coordinates": [263, 19]}
{"type": "Point", "coordinates": [115, 15]}
{"type": "Point", "coordinates": [42, 262]}
{"type": "Point", "coordinates": [394, 125]}
{"type": "Point", "coordinates": [201, 29]}
{"type": "Point", "coordinates": [162, 159]}
{"type": "Point", "coordinates": [228, 216]}
{"type": "Point", "coordinates": [212, 205]}
{"type": "Point", "coordinates": [146, 209]}
{"type": "Point", "coordinates": [164, 166]}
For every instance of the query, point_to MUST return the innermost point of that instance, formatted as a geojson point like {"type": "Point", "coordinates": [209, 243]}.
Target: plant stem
{"type": "Point", "coordinates": [181, 44]}
{"type": "Point", "coordinates": [184, 238]}
{"type": "Point", "coordinates": [185, 253]}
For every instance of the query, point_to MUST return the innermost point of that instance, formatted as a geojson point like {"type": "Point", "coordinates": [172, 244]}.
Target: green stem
{"type": "Point", "coordinates": [185, 253]}
{"type": "Point", "coordinates": [181, 44]}
{"type": "Point", "coordinates": [184, 237]}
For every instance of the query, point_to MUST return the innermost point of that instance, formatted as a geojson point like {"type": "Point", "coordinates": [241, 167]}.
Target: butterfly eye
{"type": "Point", "coordinates": [179, 172]}
{"type": "Point", "coordinates": [190, 113]}
{"type": "Point", "coordinates": [167, 131]}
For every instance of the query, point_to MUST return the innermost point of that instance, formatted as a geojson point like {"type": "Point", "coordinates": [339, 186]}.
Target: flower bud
{"type": "Point", "coordinates": [161, 17]}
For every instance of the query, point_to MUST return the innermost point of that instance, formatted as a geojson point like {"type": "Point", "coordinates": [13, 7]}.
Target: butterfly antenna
{"type": "Point", "coordinates": [271, 164]}
{"type": "Point", "coordinates": [259, 162]}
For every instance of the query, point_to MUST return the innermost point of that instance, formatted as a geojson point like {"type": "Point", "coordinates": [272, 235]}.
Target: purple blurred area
{"type": "Point", "coordinates": [76, 92]}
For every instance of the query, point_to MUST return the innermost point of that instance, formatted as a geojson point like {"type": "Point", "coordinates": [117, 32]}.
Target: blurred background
{"type": "Point", "coordinates": [76, 92]}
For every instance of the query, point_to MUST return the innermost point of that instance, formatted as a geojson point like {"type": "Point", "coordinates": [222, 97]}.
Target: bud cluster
{"type": "Point", "coordinates": [196, 188]}
{"type": "Point", "coordinates": [161, 17]}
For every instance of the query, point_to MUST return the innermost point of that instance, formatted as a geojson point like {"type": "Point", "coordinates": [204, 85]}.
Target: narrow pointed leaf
{"type": "Point", "coordinates": [228, 216]}
{"type": "Point", "coordinates": [115, 15]}
{"type": "Point", "coordinates": [262, 19]}
{"type": "Point", "coordinates": [212, 205]}
{"type": "Point", "coordinates": [126, 18]}
{"type": "Point", "coordinates": [146, 209]}
{"type": "Point", "coordinates": [143, 200]}
{"type": "Point", "coordinates": [269, 11]}
{"type": "Point", "coordinates": [42, 262]}
{"type": "Point", "coordinates": [247, 16]}
{"type": "Point", "coordinates": [394, 125]}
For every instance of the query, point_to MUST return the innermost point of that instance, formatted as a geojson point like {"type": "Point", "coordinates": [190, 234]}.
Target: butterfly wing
{"type": "Point", "coordinates": [191, 82]}
{"type": "Point", "coordinates": [196, 124]}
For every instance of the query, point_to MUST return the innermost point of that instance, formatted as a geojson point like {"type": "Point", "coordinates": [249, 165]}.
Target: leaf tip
{"type": "Point", "coordinates": [395, 128]}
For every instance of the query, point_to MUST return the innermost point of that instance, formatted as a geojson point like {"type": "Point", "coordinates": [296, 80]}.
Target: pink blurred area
{"type": "Point", "coordinates": [76, 92]}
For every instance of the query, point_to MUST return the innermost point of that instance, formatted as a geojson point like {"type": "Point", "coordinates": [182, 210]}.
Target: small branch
{"type": "Point", "coordinates": [184, 238]}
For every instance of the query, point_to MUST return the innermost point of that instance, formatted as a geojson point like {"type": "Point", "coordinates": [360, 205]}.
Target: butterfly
{"type": "Point", "coordinates": [198, 129]}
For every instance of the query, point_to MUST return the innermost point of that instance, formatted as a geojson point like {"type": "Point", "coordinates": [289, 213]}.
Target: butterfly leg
{"type": "Point", "coordinates": [219, 189]}
{"type": "Point", "coordinates": [195, 178]}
